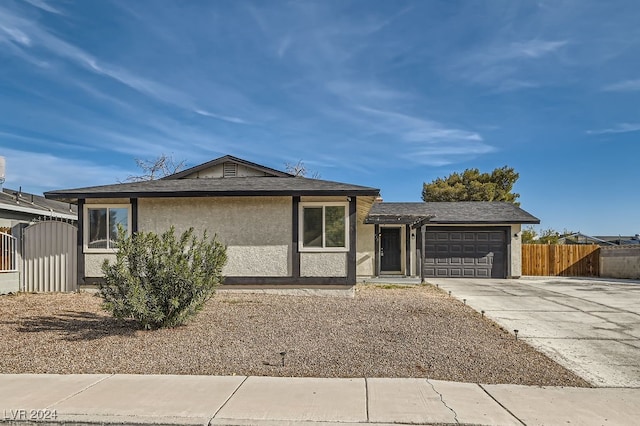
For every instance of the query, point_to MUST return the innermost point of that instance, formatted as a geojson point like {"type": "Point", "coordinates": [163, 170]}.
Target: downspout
{"type": "Point", "coordinates": [423, 231]}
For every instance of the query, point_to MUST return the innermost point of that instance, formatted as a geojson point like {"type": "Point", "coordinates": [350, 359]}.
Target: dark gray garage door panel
{"type": "Point", "coordinates": [465, 253]}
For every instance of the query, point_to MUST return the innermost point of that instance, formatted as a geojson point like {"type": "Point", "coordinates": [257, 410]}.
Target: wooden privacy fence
{"type": "Point", "coordinates": [561, 260]}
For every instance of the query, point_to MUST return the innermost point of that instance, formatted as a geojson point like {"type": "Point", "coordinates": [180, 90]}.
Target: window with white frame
{"type": "Point", "coordinates": [323, 227]}
{"type": "Point", "coordinates": [101, 225]}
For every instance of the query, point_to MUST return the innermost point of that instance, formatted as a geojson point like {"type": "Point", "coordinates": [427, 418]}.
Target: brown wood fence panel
{"type": "Point", "coordinates": [561, 260]}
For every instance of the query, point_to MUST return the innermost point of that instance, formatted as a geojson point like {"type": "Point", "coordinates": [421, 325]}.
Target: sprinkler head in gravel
{"type": "Point", "coordinates": [516, 332]}
{"type": "Point", "coordinates": [449, 292]}
{"type": "Point", "coordinates": [482, 313]}
{"type": "Point", "coordinates": [464, 301]}
{"type": "Point", "coordinates": [282, 354]}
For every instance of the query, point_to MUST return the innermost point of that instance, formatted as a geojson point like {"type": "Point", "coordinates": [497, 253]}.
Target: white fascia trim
{"type": "Point", "coordinates": [301, 247]}
{"type": "Point", "coordinates": [85, 230]}
{"type": "Point", "coordinates": [38, 212]}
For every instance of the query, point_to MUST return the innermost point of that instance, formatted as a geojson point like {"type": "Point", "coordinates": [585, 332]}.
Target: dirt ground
{"type": "Point", "coordinates": [384, 331]}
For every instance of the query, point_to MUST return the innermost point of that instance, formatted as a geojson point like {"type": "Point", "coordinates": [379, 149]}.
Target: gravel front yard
{"type": "Point", "coordinates": [382, 332]}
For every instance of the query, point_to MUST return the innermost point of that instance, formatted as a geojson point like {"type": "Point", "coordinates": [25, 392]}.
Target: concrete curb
{"type": "Point", "coordinates": [240, 400]}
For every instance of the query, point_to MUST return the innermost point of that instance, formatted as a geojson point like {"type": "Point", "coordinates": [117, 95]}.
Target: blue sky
{"type": "Point", "coordinates": [387, 94]}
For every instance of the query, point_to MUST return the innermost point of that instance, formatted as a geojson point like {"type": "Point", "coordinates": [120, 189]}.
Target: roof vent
{"type": "Point", "coordinates": [229, 169]}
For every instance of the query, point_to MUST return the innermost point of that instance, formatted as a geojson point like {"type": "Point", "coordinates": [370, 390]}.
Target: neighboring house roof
{"type": "Point", "coordinates": [580, 238]}
{"type": "Point", "coordinates": [227, 159]}
{"type": "Point", "coordinates": [460, 212]}
{"type": "Point", "coordinates": [620, 239]}
{"type": "Point", "coordinates": [35, 205]}
{"type": "Point", "coordinates": [212, 187]}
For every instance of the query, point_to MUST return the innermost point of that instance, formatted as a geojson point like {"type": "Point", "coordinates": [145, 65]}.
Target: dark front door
{"type": "Point", "coordinates": [390, 250]}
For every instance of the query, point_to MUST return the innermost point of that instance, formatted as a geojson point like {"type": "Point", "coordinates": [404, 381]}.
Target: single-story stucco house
{"type": "Point", "coordinates": [283, 230]}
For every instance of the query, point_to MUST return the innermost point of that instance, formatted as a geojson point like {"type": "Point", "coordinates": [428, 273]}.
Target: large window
{"type": "Point", "coordinates": [101, 225]}
{"type": "Point", "coordinates": [324, 227]}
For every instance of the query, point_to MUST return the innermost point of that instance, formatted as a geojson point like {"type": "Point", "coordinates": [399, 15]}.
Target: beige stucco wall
{"type": "Point", "coordinates": [93, 263]}
{"type": "Point", "coordinates": [516, 251]}
{"type": "Point", "coordinates": [365, 244]}
{"type": "Point", "coordinates": [323, 264]}
{"type": "Point", "coordinates": [256, 230]}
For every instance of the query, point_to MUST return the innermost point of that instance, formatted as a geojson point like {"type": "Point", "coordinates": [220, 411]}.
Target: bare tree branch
{"type": "Point", "coordinates": [299, 169]}
{"type": "Point", "coordinates": [158, 168]}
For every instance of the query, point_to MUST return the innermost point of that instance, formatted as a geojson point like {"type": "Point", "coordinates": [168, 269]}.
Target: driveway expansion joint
{"type": "Point", "coordinates": [501, 405]}
{"type": "Point", "coordinates": [228, 399]}
{"type": "Point", "coordinates": [366, 397]}
{"type": "Point", "coordinates": [80, 391]}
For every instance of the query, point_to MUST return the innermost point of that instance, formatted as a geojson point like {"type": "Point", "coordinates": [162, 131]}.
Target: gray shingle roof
{"type": "Point", "coordinates": [237, 186]}
{"type": "Point", "coordinates": [37, 205]}
{"type": "Point", "coordinates": [472, 212]}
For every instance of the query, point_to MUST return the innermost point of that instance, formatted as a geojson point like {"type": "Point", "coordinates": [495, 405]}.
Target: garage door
{"type": "Point", "coordinates": [465, 253]}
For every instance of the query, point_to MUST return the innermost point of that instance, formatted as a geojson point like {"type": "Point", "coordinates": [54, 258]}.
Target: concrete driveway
{"type": "Point", "coordinates": [591, 326]}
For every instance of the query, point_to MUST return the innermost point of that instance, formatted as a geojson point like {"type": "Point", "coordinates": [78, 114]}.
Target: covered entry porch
{"type": "Point", "coordinates": [466, 239]}
{"type": "Point", "coordinates": [398, 244]}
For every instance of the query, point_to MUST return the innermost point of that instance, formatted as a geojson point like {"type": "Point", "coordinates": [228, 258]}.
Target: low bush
{"type": "Point", "coordinates": [160, 280]}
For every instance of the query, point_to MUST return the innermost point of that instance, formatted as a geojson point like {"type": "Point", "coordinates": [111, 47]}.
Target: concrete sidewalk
{"type": "Point", "coordinates": [240, 400]}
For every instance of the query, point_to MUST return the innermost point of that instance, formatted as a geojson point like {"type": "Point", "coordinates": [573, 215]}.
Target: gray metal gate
{"type": "Point", "coordinates": [49, 257]}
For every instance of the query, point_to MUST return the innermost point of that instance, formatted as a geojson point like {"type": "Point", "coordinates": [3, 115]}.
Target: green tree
{"type": "Point", "coordinates": [545, 236]}
{"type": "Point", "coordinates": [160, 280]}
{"type": "Point", "coordinates": [529, 235]}
{"type": "Point", "coordinates": [471, 185]}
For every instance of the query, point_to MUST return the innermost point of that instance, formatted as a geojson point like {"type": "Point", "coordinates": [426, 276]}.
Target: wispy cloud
{"type": "Point", "coordinates": [29, 34]}
{"type": "Point", "coordinates": [624, 86]}
{"type": "Point", "coordinates": [414, 129]}
{"type": "Point", "coordinates": [47, 171]}
{"type": "Point", "coordinates": [366, 92]}
{"type": "Point", "coordinates": [619, 128]}
{"type": "Point", "coordinates": [442, 155]}
{"type": "Point", "coordinates": [226, 118]}
{"type": "Point", "coordinates": [504, 66]}
{"type": "Point", "coordinates": [42, 4]}
{"type": "Point", "coordinates": [527, 49]}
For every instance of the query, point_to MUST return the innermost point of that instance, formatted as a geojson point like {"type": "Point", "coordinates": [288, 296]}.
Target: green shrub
{"type": "Point", "coordinates": [160, 280]}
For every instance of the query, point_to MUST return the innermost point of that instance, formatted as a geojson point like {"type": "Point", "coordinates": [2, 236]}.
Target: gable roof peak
{"type": "Point", "coordinates": [268, 171]}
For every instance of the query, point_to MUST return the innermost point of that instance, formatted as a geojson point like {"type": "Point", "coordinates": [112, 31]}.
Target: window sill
{"type": "Point", "coordinates": [99, 251]}
{"type": "Point", "coordinates": [323, 250]}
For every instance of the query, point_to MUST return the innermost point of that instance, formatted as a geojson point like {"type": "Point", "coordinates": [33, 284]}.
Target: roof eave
{"type": "Point", "coordinates": [484, 222]}
{"type": "Point", "coordinates": [390, 219]}
{"type": "Point", "coordinates": [39, 212]}
{"type": "Point", "coordinates": [74, 196]}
